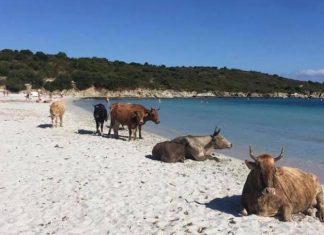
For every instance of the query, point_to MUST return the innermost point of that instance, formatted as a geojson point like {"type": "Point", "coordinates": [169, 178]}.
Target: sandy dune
{"type": "Point", "coordinates": [69, 181]}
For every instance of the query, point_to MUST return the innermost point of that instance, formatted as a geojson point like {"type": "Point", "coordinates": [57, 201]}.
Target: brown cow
{"type": "Point", "coordinates": [124, 115]}
{"type": "Point", "coordinates": [168, 151]}
{"type": "Point", "coordinates": [270, 190]}
{"type": "Point", "coordinates": [57, 110]}
{"type": "Point", "coordinates": [124, 110]}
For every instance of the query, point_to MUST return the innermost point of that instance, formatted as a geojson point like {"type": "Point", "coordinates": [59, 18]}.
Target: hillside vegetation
{"type": "Point", "coordinates": [55, 72]}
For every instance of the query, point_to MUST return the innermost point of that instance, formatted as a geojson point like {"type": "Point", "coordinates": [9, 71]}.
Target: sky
{"type": "Point", "coordinates": [284, 37]}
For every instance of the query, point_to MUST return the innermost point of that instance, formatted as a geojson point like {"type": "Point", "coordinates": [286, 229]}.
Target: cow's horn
{"type": "Point", "coordinates": [280, 155]}
{"type": "Point", "coordinates": [216, 131]}
{"type": "Point", "coordinates": [251, 154]}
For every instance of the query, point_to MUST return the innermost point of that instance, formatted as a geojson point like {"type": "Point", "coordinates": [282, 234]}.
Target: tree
{"type": "Point", "coordinates": [40, 56]}
{"type": "Point", "coordinates": [61, 55]}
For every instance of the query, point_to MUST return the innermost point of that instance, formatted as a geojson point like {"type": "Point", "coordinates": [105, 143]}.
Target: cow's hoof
{"type": "Point", "coordinates": [320, 215]}
{"type": "Point", "coordinates": [244, 212]}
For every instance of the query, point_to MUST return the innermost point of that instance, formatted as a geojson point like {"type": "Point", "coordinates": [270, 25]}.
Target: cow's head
{"type": "Point", "coordinates": [219, 141]}
{"type": "Point", "coordinates": [153, 115]}
{"type": "Point", "coordinates": [264, 165]}
{"type": "Point", "coordinates": [99, 111]}
{"type": "Point", "coordinates": [137, 117]}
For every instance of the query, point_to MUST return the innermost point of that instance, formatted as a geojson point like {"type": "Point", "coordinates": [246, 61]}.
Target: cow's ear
{"type": "Point", "coordinates": [250, 165]}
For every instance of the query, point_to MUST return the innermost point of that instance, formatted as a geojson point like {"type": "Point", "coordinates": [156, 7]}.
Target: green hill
{"type": "Point", "coordinates": [55, 72]}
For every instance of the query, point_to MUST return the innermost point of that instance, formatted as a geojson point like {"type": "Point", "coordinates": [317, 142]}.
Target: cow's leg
{"type": "Point", "coordinates": [210, 157]}
{"type": "Point", "coordinates": [243, 206]}
{"type": "Point", "coordinates": [129, 133]}
{"type": "Point", "coordinates": [287, 213]}
{"type": "Point", "coordinates": [320, 205]}
{"type": "Point", "coordinates": [97, 127]}
{"type": "Point", "coordinates": [134, 133]}
{"type": "Point", "coordinates": [52, 121]}
{"type": "Point", "coordinates": [196, 153]}
{"type": "Point", "coordinates": [102, 123]}
{"type": "Point", "coordinates": [56, 121]}
{"type": "Point", "coordinates": [61, 121]}
{"type": "Point", "coordinates": [115, 127]}
{"type": "Point", "coordinates": [140, 131]}
{"type": "Point", "coordinates": [111, 125]}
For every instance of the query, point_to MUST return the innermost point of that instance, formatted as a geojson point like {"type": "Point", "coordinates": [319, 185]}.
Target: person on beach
{"type": "Point", "coordinates": [28, 96]}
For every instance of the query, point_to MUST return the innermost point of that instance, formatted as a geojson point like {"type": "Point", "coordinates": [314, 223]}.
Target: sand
{"type": "Point", "coordinates": [70, 181]}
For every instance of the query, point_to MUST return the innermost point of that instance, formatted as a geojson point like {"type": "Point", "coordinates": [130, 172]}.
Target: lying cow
{"type": "Point", "coordinates": [120, 115]}
{"type": "Point", "coordinates": [168, 151]}
{"type": "Point", "coordinates": [198, 148]}
{"type": "Point", "coordinates": [57, 110]}
{"type": "Point", "coordinates": [100, 115]}
{"type": "Point", "coordinates": [271, 190]}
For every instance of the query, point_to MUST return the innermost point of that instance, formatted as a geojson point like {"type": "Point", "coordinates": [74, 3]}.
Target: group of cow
{"type": "Point", "coordinates": [268, 191]}
{"type": "Point", "coordinates": [134, 116]}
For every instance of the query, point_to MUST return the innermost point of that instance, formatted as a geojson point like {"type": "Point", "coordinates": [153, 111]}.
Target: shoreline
{"type": "Point", "coordinates": [239, 152]}
{"type": "Point", "coordinates": [67, 180]}
{"type": "Point", "coordinates": [162, 94]}
{"type": "Point", "coordinates": [148, 93]}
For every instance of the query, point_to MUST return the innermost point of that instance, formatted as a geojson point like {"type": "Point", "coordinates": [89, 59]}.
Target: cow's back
{"type": "Point", "coordinates": [121, 112]}
{"type": "Point", "coordinates": [57, 108]}
{"type": "Point", "coordinates": [299, 187]}
{"type": "Point", "coordinates": [168, 151]}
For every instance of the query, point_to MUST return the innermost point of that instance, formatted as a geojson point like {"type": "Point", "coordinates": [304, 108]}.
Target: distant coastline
{"type": "Point", "coordinates": [151, 93]}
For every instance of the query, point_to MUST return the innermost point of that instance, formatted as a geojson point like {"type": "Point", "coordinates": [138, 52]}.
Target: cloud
{"type": "Point", "coordinates": [311, 73]}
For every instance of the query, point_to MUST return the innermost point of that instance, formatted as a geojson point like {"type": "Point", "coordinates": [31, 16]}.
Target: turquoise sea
{"type": "Point", "coordinates": [266, 124]}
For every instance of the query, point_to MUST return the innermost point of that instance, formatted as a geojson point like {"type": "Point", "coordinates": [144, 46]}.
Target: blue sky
{"type": "Point", "coordinates": [284, 37]}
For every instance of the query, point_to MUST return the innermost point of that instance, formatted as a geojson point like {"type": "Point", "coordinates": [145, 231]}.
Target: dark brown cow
{"type": "Point", "coordinates": [125, 115]}
{"type": "Point", "coordinates": [271, 190]}
{"type": "Point", "coordinates": [125, 110]}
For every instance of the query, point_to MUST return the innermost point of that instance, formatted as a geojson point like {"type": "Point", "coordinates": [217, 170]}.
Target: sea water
{"type": "Point", "coordinates": [265, 124]}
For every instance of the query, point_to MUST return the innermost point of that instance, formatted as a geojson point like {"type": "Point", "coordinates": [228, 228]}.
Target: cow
{"type": "Point", "coordinates": [200, 148]}
{"type": "Point", "coordinates": [168, 151]}
{"type": "Point", "coordinates": [197, 148]}
{"type": "Point", "coordinates": [100, 115]}
{"type": "Point", "coordinates": [57, 110]}
{"type": "Point", "coordinates": [123, 115]}
{"type": "Point", "coordinates": [124, 111]}
{"type": "Point", "coordinates": [271, 190]}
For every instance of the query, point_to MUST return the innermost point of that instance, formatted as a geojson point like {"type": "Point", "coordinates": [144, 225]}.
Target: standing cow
{"type": "Point", "coordinates": [121, 114]}
{"type": "Point", "coordinates": [126, 114]}
{"type": "Point", "coordinates": [198, 148]}
{"type": "Point", "coordinates": [57, 110]}
{"type": "Point", "coordinates": [100, 115]}
{"type": "Point", "coordinates": [271, 190]}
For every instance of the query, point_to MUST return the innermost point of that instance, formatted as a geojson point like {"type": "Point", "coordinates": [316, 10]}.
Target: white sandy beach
{"type": "Point", "coordinates": [69, 181]}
